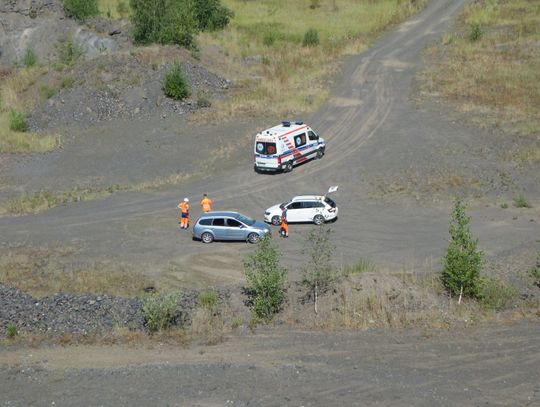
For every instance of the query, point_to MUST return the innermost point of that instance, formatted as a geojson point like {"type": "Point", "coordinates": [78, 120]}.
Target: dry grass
{"type": "Point", "coordinates": [42, 272]}
{"type": "Point", "coordinates": [274, 73]}
{"type": "Point", "coordinates": [496, 78]}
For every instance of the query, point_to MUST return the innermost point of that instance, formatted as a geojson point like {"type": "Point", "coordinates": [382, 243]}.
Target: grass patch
{"type": "Point", "coordinates": [18, 93]}
{"type": "Point", "coordinates": [115, 9]}
{"type": "Point", "coordinates": [11, 330]}
{"type": "Point", "coordinates": [520, 201]}
{"type": "Point", "coordinates": [161, 311]}
{"type": "Point", "coordinates": [290, 78]}
{"type": "Point", "coordinates": [491, 68]}
{"type": "Point", "coordinates": [496, 295]}
{"type": "Point", "coordinates": [29, 58]}
{"type": "Point", "coordinates": [362, 265]}
{"type": "Point", "coordinates": [42, 272]}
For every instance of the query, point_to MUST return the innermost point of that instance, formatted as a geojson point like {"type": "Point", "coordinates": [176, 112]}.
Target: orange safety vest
{"type": "Point", "coordinates": [206, 204]}
{"type": "Point", "coordinates": [184, 207]}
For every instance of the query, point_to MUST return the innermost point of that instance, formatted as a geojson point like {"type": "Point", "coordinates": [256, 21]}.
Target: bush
{"type": "Point", "coordinates": [269, 38]}
{"type": "Point", "coordinates": [520, 201]}
{"type": "Point", "coordinates": [47, 92]}
{"type": "Point", "coordinates": [161, 311]}
{"type": "Point", "coordinates": [495, 294]}
{"type": "Point", "coordinates": [211, 15]}
{"type": "Point", "coordinates": [266, 279]}
{"type": "Point", "coordinates": [176, 21]}
{"type": "Point", "coordinates": [476, 33]}
{"type": "Point", "coordinates": [30, 58]}
{"type": "Point", "coordinates": [11, 330]}
{"type": "Point", "coordinates": [81, 9]}
{"type": "Point", "coordinates": [175, 85]}
{"type": "Point", "coordinates": [203, 99]}
{"type": "Point", "coordinates": [17, 121]}
{"type": "Point", "coordinates": [122, 8]}
{"type": "Point", "coordinates": [311, 38]}
{"type": "Point", "coordinates": [207, 299]}
{"type": "Point", "coordinates": [463, 262]}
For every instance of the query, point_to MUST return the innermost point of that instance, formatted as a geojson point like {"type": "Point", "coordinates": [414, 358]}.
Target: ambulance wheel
{"type": "Point", "coordinates": [318, 220]}
{"type": "Point", "coordinates": [276, 220]}
{"type": "Point", "coordinates": [288, 167]}
{"type": "Point", "coordinates": [320, 153]}
{"type": "Point", "coordinates": [207, 237]}
{"type": "Point", "coordinates": [253, 238]}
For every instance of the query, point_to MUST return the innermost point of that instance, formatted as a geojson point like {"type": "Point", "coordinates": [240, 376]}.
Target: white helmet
{"type": "Point", "coordinates": [186, 200]}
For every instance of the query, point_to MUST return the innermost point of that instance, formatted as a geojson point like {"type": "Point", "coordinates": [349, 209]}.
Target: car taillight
{"type": "Point", "coordinates": [279, 159]}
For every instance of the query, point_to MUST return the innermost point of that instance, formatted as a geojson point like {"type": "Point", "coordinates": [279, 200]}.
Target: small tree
{"type": "Point", "coordinates": [311, 38]}
{"type": "Point", "coordinates": [463, 261]}
{"type": "Point", "coordinates": [319, 274]}
{"type": "Point", "coordinates": [175, 85]}
{"type": "Point", "coordinates": [266, 279]}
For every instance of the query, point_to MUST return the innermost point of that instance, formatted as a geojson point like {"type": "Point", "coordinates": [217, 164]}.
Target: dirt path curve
{"type": "Point", "coordinates": [468, 367]}
{"type": "Point", "coordinates": [372, 129]}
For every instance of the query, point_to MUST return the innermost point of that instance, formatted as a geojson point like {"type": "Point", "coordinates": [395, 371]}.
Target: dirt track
{"type": "Point", "coordinates": [477, 366]}
{"type": "Point", "coordinates": [375, 135]}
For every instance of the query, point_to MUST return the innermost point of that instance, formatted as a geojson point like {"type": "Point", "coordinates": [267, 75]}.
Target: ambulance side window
{"type": "Point", "coordinates": [312, 136]}
{"type": "Point", "coordinates": [300, 140]}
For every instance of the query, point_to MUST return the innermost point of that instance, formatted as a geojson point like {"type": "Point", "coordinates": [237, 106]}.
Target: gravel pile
{"type": "Point", "coordinates": [79, 314]}
{"type": "Point", "coordinates": [111, 88]}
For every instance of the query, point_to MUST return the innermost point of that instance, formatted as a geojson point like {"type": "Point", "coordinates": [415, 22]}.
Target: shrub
{"type": "Point", "coordinates": [161, 311]}
{"type": "Point", "coordinates": [17, 121]}
{"type": "Point", "coordinates": [311, 38]}
{"type": "Point", "coordinates": [163, 21]}
{"type": "Point", "coordinates": [30, 58]}
{"type": "Point", "coordinates": [476, 33]}
{"type": "Point", "coordinates": [319, 274]}
{"type": "Point", "coordinates": [207, 299]}
{"type": "Point", "coordinates": [67, 82]}
{"type": "Point", "coordinates": [11, 330]}
{"type": "Point", "coordinates": [495, 295]}
{"type": "Point", "coordinates": [520, 201]}
{"type": "Point", "coordinates": [175, 85]}
{"type": "Point", "coordinates": [266, 279]}
{"type": "Point", "coordinates": [81, 9]}
{"type": "Point", "coordinates": [463, 262]}
{"type": "Point", "coordinates": [211, 15]}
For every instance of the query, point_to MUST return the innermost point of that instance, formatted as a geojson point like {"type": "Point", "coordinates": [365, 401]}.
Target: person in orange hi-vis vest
{"type": "Point", "coordinates": [184, 213]}
{"type": "Point", "coordinates": [284, 229]}
{"type": "Point", "coordinates": [206, 203]}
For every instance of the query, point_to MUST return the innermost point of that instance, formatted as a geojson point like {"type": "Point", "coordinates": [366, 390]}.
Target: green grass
{"type": "Point", "coordinates": [489, 66]}
{"type": "Point", "coordinates": [521, 201]}
{"type": "Point", "coordinates": [15, 141]}
{"type": "Point", "coordinates": [362, 265]}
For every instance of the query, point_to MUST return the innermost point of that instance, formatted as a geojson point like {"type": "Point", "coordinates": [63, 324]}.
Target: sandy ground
{"type": "Point", "coordinates": [396, 166]}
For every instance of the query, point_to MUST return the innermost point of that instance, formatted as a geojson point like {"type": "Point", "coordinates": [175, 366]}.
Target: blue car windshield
{"type": "Point", "coordinates": [245, 219]}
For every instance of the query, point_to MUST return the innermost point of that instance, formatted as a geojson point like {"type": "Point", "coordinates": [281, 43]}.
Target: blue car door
{"type": "Point", "coordinates": [235, 230]}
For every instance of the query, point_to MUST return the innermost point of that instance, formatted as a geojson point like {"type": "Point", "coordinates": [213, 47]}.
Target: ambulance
{"type": "Point", "coordinates": [283, 146]}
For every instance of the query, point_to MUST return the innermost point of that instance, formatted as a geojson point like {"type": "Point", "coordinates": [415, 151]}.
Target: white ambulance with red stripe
{"type": "Point", "coordinates": [283, 146]}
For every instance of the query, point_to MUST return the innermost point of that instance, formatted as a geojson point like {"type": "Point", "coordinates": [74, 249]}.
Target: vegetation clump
{"type": "Point", "coordinates": [11, 330]}
{"type": "Point", "coordinates": [81, 9]}
{"type": "Point", "coordinates": [266, 280]}
{"type": "Point", "coordinates": [161, 311]}
{"type": "Point", "coordinates": [29, 58]}
{"type": "Point", "coordinates": [463, 262]}
{"type": "Point", "coordinates": [520, 201]}
{"type": "Point", "coordinates": [311, 38]}
{"type": "Point", "coordinates": [17, 121]}
{"type": "Point", "coordinates": [495, 295]}
{"type": "Point", "coordinates": [176, 21]}
{"type": "Point", "coordinates": [175, 84]}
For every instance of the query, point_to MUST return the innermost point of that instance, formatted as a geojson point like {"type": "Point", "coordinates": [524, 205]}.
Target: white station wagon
{"type": "Point", "coordinates": [305, 208]}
